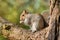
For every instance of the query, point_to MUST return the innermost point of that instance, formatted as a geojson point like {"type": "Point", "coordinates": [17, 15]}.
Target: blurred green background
{"type": "Point", "coordinates": [11, 9]}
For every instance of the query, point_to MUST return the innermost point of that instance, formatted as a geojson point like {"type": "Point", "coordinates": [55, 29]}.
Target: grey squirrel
{"type": "Point", "coordinates": [34, 21]}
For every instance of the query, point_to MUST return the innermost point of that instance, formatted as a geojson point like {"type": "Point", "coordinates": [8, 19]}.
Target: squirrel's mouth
{"type": "Point", "coordinates": [21, 21]}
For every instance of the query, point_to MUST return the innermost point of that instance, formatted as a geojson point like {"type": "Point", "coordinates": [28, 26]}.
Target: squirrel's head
{"type": "Point", "coordinates": [23, 16]}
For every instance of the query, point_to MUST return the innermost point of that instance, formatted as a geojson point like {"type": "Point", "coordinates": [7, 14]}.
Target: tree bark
{"type": "Point", "coordinates": [54, 20]}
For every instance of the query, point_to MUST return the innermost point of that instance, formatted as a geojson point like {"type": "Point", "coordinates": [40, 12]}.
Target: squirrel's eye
{"type": "Point", "coordinates": [22, 15]}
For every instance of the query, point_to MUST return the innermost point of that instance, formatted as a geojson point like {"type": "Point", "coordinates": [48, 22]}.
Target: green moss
{"type": "Point", "coordinates": [2, 38]}
{"type": "Point", "coordinates": [24, 26]}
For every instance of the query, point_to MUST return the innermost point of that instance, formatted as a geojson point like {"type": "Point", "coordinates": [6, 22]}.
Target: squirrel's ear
{"type": "Point", "coordinates": [25, 11]}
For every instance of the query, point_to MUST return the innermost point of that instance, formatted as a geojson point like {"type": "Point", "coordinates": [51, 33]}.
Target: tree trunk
{"type": "Point", "coordinates": [55, 19]}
